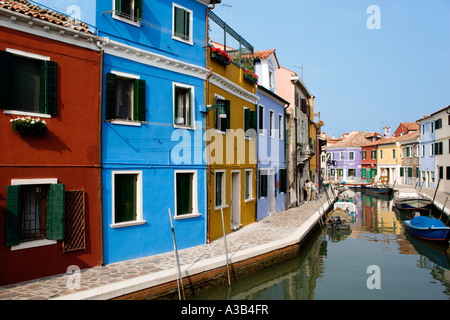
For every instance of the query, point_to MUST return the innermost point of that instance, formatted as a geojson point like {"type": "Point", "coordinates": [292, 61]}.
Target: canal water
{"type": "Point", "coordinates": [376, 259]}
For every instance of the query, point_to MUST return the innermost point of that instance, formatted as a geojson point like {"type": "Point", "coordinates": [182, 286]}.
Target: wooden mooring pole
{"type": "Point", "coordinates": [226, 248]}
{"type": "Point", "coordinates": [179, 279]}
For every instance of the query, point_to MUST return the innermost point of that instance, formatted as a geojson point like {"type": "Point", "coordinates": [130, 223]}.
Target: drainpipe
{"type": "Point", "coordinates": [208, 165]}
{"type": "Point", "coordinates": [101, 45]}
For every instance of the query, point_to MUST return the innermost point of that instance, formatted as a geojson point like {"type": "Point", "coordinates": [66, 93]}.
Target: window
{"type": "Point", "coordinates": [125, 97]}
{"type": "Point", "coordinates": [262, 184]}
{"type": "Point", "coordinates": [351, 172]}
{"type": "Point", "coordinates": [272, 123]}
{"type": "Point", "coordinates": [280, 126]}
{"type": "Point", "coordinates": [128, 10]}
{"type": "Point", "coordinates": [364, 155]}
{"type": "Point", "coordinates": [127, 198]}
{"type": "Point", "coordinates": [341, 155]}
{"type": "Point", "coordinates": [438, 124]}
{"type": "Point", "coordinates": [410, 172]}
{"type": "Point", "coordinates": [373, 154]}
{"type": "Point", "coordinates": [441, 172]}
{"type": "Point", "coordinates": [222, 124]}
{"type": "Point", "coordinates": [248, 184]}
{"type": "Point", "coordinates": [341, 172]}
{"type": "Point", "coordinates": [431, 126]}
{"type": "Point", "coordinates": [28, 82]}
{"type": "Point", "coordinates": [183, 105]}
{"type": "Point", "coordinates": [249, 122]}
{"type": "Point", "coordinates": [423, 150]}
{"type": "Point", "coordinates": [393, 153]}
{"type": "Point", "coordinates": [182, 24]}
{"type": "Point", "coordinates": [438, 148]}
{"type": "Point", "coordinates": [34, 211]}
{"type": "Point", "coordinates": [283, 180]}
{"type": "Point", "coordinates": [363, 173]}
{"type": "Point", "coordinates": [448, 173]}
{"type": "Point", "coordinates": [381, 154]}
{"type": "Point", "coordinates": [185, 193]}
{"type": "Point", "coordinates": [220, 188]}
{"type": "Point", "coordinates": [261, 119]}
{"type": "Point", "coordinates": [351, 155]}
{"type": "Point", "coordinates": [432, 149]}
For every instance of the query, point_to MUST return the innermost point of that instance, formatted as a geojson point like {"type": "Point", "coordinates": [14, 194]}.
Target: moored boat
{"type": "Point", "coordinates": [411, 201]}
{"type": "Point", "coordinates": [428, 228]}
{"type": "Point", "coordinates": [378, 189]}
{"type": "Point", "coordinates": [338, 219]}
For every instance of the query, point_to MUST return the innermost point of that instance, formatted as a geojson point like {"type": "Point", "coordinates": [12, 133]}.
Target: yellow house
{"type": "Point", "coordinates": [230, 146]}
{"type": "Point", "coordinates": [389, 161]}
{"type": "Point", "coordinates": [313, 167]}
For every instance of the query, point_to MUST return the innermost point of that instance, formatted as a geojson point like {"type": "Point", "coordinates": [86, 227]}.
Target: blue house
{"type": "Point", "coordinates": [271, 165]}
{"type": "Point", "coordinates": [152, 128]}
{"type": "Point", "coordinates": [427, 153]}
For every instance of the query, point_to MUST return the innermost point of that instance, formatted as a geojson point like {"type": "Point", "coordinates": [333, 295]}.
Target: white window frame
{"type": "Point", "coordinates": [351, 155]}
{"type": "Point", "coordinates": [194, 214]}
{"type": "Point", "coordinates": [123, 19]}
{"type": "Point", "coordinates": [191, 24]}
{"type": "Point", "coordinates": [192, 105]}
{"type": "Point", "coordinates": [250, 186]}
{"type": "Point", "coordinates": [41, 242]}
{"type": "Point", "coordinates": [224, 186]}
{"type": "Point", "coordinates": [221, 130]}
{"type": "Point", "coordinates": [139, 197]}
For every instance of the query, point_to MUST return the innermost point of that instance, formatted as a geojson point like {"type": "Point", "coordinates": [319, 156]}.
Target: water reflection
{"type": "Point", "coordinates": [332, 265]}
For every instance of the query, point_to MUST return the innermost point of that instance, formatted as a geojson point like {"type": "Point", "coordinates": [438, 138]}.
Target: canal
{"type": "Point", "coordinates": [376, 259]}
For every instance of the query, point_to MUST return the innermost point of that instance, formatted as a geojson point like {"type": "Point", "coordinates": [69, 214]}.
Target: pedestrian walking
{"type": "Point", "coordinates": [308, 190]}
{"type": "Point", "coordinates": [313, 191]}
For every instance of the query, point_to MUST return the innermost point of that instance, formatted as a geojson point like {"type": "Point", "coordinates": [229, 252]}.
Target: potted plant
{"type": "Point", "coordinates": [250, 76]}
{"type": "Point", "coordinates": [29, 126]}
{"type": "Point", "coordinates": [320, 124]}
{"type": "Point", "coordinates": [220, 55]}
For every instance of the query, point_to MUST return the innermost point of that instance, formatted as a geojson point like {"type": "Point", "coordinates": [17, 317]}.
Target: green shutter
{"type": "Point", "coordinates": [110, 97]}
{"type": "Point", "coordinates": [184, 193]}
{"type": "Point", "coordinates": [5, 79]}
{"type": "Point", "coordinates": [139, 100]}
{"type": "Point", "coordinates": [401, 172]}
{"type": "Point", "coordinates": [227, 121]}
{"type": "Point", "coordinates": [51, 87]}
{"type": "Point", "coordinates": [138, 7]}
{"type": "Point", "coordinates": [246, 119]}
{"type": "Point", "coordinates": [56, 212]}
{"type": "Point", "coordinates": [118, 6]}
{"type": "Point", "coordinates": [179, 16]}
{"type": "Point", "coordinates": [48, 96]}
{"type": "Point", "coordinates": [12, 215]}
{"type": "Point", "coordinates": [254, 120]}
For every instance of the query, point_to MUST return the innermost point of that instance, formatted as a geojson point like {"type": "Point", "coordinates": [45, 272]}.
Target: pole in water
{"type": "Point", "coordinates": [179, 279]}
{"type": "Point", "coordinates": [226, 248]}
{"type": "Point", "coordinates": [443, 208]}
{"type": "Point", "coordinates": [435, 192]}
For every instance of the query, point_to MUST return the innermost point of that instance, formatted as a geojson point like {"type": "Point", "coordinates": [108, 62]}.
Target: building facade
{"type": "Point", "coordinates": [50, 173]}
{"type": "Point", "coordinates": [271, 166]}
{"type": "Point", "coordinates": [427, 153]}
{"type": "Point", "coordinates": [410, 151]}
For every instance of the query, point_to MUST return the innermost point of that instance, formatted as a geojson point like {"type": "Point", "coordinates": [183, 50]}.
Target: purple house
{"type": "Point", "coordinates": [344, 156]}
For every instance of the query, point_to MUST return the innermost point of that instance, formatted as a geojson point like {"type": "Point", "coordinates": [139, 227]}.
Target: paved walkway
{"type": "Point", "coordinates": [439, 200]}
{"type": "Point", "coordinates": [106, 282]}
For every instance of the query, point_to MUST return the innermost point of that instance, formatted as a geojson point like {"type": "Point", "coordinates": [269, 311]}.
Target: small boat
{"type": "Point", "coordinates": [338, 219]}
{"type": "Point", "coordinates": [378, 189]}
{"type": "Point", "coordinates": [411, 201]}
{"type": "Point", "coordinates": [349, 207]}
{"type": "Point", "coordinates": [428, 228]}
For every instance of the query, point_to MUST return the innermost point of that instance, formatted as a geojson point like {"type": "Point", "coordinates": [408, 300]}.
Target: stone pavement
{"type": "Point", "coordinates": [107, 282]}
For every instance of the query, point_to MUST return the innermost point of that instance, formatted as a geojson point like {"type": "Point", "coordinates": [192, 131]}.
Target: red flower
{"type": "Point", "coordinates": [221, 53]}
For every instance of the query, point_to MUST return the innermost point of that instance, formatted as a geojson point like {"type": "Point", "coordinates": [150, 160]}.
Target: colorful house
{"type": "Point", "coordinates": [345, 156]}
{"type": "Point", "coordinates": [299, 148]}
{"type": "Point", "coordinates": [231, 136]}
{"type": "Point", "coordinates": [369, 158]}
{"type": "Point", "coordinates": [427, 152]}
{"type": "Point", "coordinates": [410, 153]}
{"type": "Point", "coordinates": [271, 167]}
{"type": "Point", "coordinates": [152, 148]}
{"type": "Point", "coordinates": [50, 174]}
{"type": "Point", "coordinates": [389, 161]}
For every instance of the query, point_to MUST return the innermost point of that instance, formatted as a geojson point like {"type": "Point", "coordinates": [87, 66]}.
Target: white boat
{"type": "Point", "coordinates": [350, 207]}
{"type": "Point", "coordinates": [411, 201]}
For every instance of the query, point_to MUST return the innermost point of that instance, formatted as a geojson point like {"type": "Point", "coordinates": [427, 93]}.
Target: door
{"type": "Point", "coordinates": [235, 200]}
{"type": "Point", "coordinates": [272, 190]}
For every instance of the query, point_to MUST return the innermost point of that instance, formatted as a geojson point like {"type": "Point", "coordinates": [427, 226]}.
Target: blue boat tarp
{"type": "Point", "coordinates": [426, 222]}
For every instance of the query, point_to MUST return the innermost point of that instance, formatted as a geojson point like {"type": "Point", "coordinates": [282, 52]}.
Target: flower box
{"type": "Point", "coordinates": [249, 76]}
{"type": "Point", "coordinates": [220, 55]}
{"type": "Point", "coordinates": [29, 126]}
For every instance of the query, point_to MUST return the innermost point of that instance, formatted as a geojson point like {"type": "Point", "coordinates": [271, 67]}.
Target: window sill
{"type": "Point", "coordinates": [33, 244]}
{"type": "Point", "coordinates": [127, 123]}
{"type": "Point", "coordinates": [28, 114]}
{"type": "Point", "coordinates": [183, 40]}
{"type": "Point", "coordinates": [128, 224]}
{"type": "Point", "coordinates": [220, 131]}
{"type": "Point", "coordinates": [221, 207]}
{"type": "Point", "coordinates": [133, 23]}
{"type": "Point", "coordinates": [249, 200]}
{"type": "Point", "coordinates": [187, 216]}
{"type": "Point", "coordinates": [181, 126]}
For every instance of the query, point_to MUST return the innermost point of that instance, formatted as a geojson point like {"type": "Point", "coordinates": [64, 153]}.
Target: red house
{"type": "Point", "coordinates": [369, 158]}
{"type": "Point", "coordinates": [50, 173]}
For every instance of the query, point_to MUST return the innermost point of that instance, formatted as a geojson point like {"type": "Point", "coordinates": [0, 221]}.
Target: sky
{"type": "Point", "coordinates": [363, 78]}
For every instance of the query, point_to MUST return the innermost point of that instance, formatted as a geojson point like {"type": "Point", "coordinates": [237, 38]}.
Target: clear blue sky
{"type": "Point", "coordinates": [363, 79]}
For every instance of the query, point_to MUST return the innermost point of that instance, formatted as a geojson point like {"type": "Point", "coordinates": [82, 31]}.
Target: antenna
{"type": "Point", "coordinates": [301, 72]}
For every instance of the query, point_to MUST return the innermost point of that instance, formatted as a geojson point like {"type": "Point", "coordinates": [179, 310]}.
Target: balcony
{"type": "Point", "coordinates": [305, 152]}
